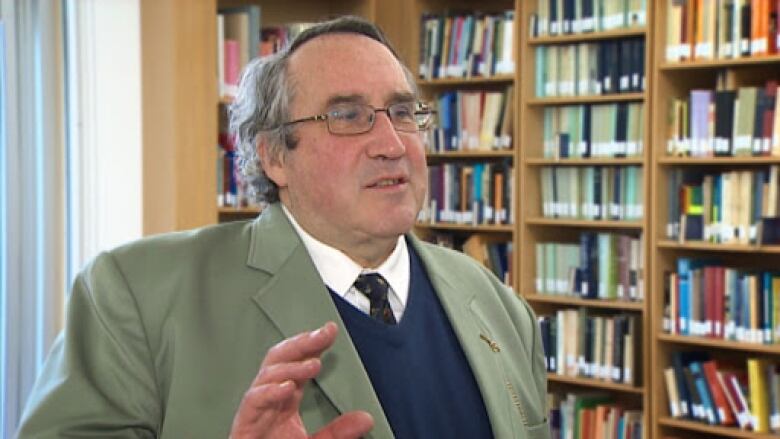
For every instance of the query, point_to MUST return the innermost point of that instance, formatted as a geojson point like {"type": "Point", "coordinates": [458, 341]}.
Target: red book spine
{"type": "Point", "coordinates": [720, 300]}
{"type": "Point", "coordinates": [725, 414]}
{"type": "Point", "coordinates": [232, 62]}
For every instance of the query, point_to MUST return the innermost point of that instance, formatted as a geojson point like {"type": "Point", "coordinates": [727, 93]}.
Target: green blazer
{"type": "Point", "coordinates": [164, 336]}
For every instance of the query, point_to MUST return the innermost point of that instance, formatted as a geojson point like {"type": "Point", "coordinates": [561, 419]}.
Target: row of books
{"type": "Point", "coordinates": [592, 192]}
{"type": "Point", "coordinates": [742, 395]}
{"type": "Point", "coordinates": [475, 193]}
{"type": "Point", "coordinates": [238, 41]}
{"type": "Point", "coordinates": [585, 69]}
{"type": "Point", "coordinates": [740, 122]}
{"type": "Point", "coordinates": [472, 120]}
{"type": "Point", "coordinates": [721, 29]}
{"type": "Point", "coordinates": [240, 38]}
{"type": "Point", "coordinates": [730, 207]}
{"type": "Point", "coordinates": [467, 45]}
{"type": "Point", "coordinates": [711, 300]}
{"type": "Point", "coordinates": [602, 130]}
{"type": "Point", "coordinates": [561, 17]}
{"type": "Point", "coordinates": [605, 266]}
{"type": "Point", "coordinates": [494, 253]}
{"type": "Point", "coordinates": [600, 347]}
{"type": "Point", "coordinates": [592, 415]}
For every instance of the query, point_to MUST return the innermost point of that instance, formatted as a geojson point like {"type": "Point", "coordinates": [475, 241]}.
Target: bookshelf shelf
{"type": "Point", "coordinates": [468, 155]}
{"type": "Point", "coordinates": [589, 99]}
{"type": "Point", "coordinates": [460, 82]}
{"type": "Point", "coordinates": [482, 228]}
{"type": "Point", "coordinates": [709, 161]}
{"type": "Point", "coordinates": [708, 246]}
{"type": "Point", "coordinates": [719, 63]}
{"type": "Point", "coordinates": [591, 36]}
{"type": "Point", "coordinates": [590, 303]}
{"type": "Point", "coordinates": [585, 162]}
{"type": "Point", "coordinates": [773, 349]}
{"type": "Point", "coordinates": [601, 224]}
{"type": "Point", "coordinates": [238, 210]}
{"type": "Point", "coordinates": [594, 383]}
{"type": "Point", "coordinates": [711, 429]}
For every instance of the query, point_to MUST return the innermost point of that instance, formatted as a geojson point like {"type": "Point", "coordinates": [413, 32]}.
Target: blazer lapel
{"type": "Point", "coordinates": [463, 309]}
{"type": "Point", "coordinates": [295, 299]}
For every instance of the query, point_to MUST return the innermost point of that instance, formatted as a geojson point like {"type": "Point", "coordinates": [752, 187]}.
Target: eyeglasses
{"type": "Point", "coordinates": [354, 118]}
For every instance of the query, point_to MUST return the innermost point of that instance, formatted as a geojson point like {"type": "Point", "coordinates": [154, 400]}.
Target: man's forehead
{"type": "Point", "coordinates": [343, 44]}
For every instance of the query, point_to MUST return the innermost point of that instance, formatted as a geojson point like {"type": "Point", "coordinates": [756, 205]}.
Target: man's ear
{"type": "Point", "coordinates": [273, 164]}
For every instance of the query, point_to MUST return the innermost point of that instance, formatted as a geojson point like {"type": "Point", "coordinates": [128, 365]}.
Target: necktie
{"type": "Point", "coordinates": [375, 287]}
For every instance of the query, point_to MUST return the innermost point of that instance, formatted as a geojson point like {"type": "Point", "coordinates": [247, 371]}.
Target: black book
{"type": "Point", "coordinates": [602, 69]}
{"type": "Point", "coordinates": [638, 66]}
{"type": "Point", "coordinates": [617, 192]}
{"type": "Point", "coordinates": [589, 347]}
{"type": "Point", "coordinates": [758, 120]}
{"type": "Point", "coordinates": [586, 130]}
{"type": "Point", "coordinates": [600, 214]}
{"type": "Point", "coordinates": [694, 227]}
{"type": "Point", "coordinates": [568, 16]}
{"type": "Point", "coordinates": [626, 58]}
{"type": "Point", "coordinates": [770, 231]}
{"type": "Point", "coordinates": [614, 66]}
{"type": "Point", "coordinates": [621, 327]}
{"type": "Point", "coordinates": [621, 129]}
{"type": "Point", "coordinates": [724, 121]}
{"type": "Point", "coordinates": [689, 396]}
{"type": "Point", "coordinates": [745, 25]}
{"type": "Point", "coordinates": [553, 18]}
{"type": "Point", "coordinates": [587, 21]}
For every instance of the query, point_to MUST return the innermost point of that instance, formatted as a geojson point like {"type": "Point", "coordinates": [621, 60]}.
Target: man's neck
{"type": "Point", "coordinates": [370, 253]}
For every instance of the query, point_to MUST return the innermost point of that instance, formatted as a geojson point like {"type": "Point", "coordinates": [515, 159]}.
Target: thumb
{"type": "Point", "coordinates": [350, 425]}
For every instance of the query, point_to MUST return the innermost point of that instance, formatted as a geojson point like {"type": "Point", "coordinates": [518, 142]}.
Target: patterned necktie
{"type": "Point", "coordinates": [375, 287]}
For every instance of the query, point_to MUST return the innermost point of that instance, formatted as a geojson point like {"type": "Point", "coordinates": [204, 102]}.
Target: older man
{"type": "Point", "coordinates": [358, 328]}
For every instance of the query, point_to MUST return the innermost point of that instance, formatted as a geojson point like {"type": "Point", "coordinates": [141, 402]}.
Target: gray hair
{"type": "Point", "coordinates": [262, 104]}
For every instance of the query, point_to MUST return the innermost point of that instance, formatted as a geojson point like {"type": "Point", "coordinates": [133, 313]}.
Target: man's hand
{"type": "Point", "coordinates": [270, 408]}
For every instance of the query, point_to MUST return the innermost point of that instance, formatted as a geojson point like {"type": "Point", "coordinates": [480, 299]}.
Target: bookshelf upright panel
{"type": "Point", "coordinates": [585, 250]}
{"type": "Point", "coordinates": [714, 206]}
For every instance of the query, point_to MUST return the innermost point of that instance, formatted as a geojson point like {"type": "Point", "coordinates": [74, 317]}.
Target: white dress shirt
{"type": "Point", "coordinates": [339, 272]}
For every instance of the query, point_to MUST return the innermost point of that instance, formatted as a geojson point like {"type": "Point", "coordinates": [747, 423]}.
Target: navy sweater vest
{"type": "Point", "coordinates": [417, 367]}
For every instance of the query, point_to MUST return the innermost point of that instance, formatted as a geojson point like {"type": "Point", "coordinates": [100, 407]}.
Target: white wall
{"type": "Point", "coordinates": [105, 134]}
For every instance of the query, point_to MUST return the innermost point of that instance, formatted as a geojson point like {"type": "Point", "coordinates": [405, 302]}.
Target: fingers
{"type": "Point", "coordinates": [302, 346]}
{"type": "Point", "coordinates": [261, 405]}
{"type": "Point", "coordinates": [295, 371]}
{"type": "Point", "coordinates": [350, 425]}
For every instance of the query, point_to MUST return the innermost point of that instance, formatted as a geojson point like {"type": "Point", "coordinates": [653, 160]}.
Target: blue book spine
{"type": "Point", "coordinates": [683, 289]}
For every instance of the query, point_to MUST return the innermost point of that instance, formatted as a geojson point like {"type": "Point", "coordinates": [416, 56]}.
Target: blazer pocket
{"type": "Point", "coordinates": [538, 431]}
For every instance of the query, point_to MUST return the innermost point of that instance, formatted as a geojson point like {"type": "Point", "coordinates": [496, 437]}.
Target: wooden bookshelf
{"type": "Point", "coordinates": [675, 80]}
{"type": "Point", "coordinates": [622, 305]}
{"type": "Point", "coordinates": [477, 228]}
{"type": "Point", "coordinates": [591, 36]}
{"type": "Point", "coordinates": [431, 89]}
{"type": "Point", "coordinates": [535, 228]}
{"type": "Point", "coordinates": [664, 81]}
{"type": "Point", "coordinates": [590, 383]}
{"type": "Point", "coordinates": [595, 99]}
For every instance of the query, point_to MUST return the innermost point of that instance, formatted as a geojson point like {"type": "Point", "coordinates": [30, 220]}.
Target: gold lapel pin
{"type": "Point", "coordinates": [493, 345]}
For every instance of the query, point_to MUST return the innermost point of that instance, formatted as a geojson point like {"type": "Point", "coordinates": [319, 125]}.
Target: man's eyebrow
{"type": "Point", "coordinates": [345, 99]}
{"type": "Point", "coordinates": [400, 96]}
{"type": "Point", "coordinates": [404, 96]}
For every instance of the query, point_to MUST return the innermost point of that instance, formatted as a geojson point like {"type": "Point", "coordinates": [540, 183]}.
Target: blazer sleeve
{"type": "Point", "coordinates": [99, 379]}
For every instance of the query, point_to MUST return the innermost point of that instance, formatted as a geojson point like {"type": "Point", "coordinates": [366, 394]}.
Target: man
{"type": "Point", "coordinates": [358, 328]}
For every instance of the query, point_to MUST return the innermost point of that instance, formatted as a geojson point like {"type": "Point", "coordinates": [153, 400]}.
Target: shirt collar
{"type": "Point", "coordinates": [339, 272]}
